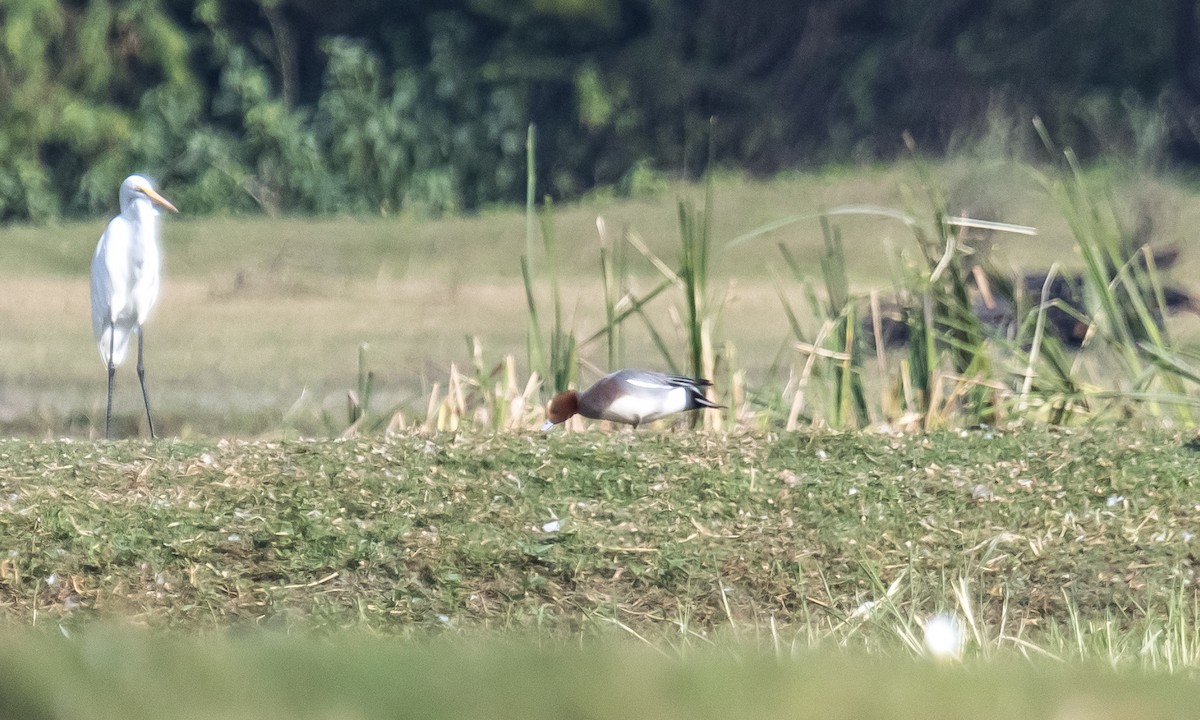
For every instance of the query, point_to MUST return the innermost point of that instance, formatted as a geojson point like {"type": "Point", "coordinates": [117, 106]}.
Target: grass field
{"type": "Point", "coordinates": [672, 535]}
{"type": "Point", "coordinates": [602, 575]}
{"type": "Point", "coordinates": [258, 329]}
{"type": "Point", "coordinates": [252, 565]}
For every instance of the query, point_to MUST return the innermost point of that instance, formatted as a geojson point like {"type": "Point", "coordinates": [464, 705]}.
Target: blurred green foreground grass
{"type": "Point", "coordinates": [131, 676]}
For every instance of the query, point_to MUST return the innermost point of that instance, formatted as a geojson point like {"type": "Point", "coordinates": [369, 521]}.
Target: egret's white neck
{"type": "Point", "coordinates": [141, 209]}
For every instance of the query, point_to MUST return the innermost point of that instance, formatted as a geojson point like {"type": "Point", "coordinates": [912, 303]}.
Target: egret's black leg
{"type": "Point", "coordinates": [112, 369]}
{"type": "Point", "coordinates": [141, 369]}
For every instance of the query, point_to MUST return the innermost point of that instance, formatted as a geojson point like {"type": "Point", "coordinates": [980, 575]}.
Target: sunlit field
{"type": "Point", "coordinates": [351, 513]}
{"type": "Point", "coordinates": [261, 320]}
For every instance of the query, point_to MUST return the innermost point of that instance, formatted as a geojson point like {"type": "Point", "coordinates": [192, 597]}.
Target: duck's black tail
{"type": "Point", "coordinates": [695, 388]}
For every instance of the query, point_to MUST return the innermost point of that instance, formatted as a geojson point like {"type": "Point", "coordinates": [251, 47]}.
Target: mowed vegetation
{"type": "Point", "coordinates": [695, 575]}
{"type": "Point", "coordinates": [801, 564]}
{"type": "Point", "coordinates": [676, 535]}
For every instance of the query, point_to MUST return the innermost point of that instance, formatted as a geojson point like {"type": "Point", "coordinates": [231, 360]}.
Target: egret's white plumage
{"type": "Point", "coordinates": [125, 279]}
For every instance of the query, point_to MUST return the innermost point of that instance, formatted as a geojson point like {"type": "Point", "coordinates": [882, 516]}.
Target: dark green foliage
{"type": "Point", "coordinates": [302, 106]}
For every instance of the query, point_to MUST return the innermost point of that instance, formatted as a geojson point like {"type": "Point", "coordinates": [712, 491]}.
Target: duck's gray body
{"type": "Point", "coordinates": [640, 396]}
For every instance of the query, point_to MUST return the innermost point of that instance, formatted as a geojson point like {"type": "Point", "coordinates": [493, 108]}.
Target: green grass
{"type": "Point", "coordinates": [658, 574]}
{"type": "Point", "coordinates": [260, 322]}
{"type": "Point", "coordinates": [689, 575]}
{"type": "Point", "coordinates": [110, 675]}
{"type": "Point", "coordinates": [650, 574]}
{"type": "Point", "coordinates": [672, 535]}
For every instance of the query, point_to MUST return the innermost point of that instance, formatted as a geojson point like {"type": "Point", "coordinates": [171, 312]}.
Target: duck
{"type": "Point", "coordinates": [631, 397]}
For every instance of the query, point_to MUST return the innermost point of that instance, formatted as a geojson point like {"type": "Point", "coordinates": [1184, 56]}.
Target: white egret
{"type": "Point", "coordinates": [125, 278]}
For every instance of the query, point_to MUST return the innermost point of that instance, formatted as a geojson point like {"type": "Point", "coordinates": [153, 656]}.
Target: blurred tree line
{"type": "Point", "coordinates": [379, 106]}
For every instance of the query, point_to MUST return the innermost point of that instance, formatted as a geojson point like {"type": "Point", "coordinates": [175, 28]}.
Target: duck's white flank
{"type": "Point", "coordinates": [647, 407]}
